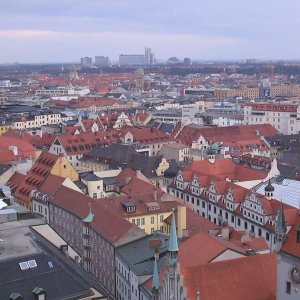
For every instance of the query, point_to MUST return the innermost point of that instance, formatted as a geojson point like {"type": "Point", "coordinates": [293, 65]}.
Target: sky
{"type": "Point", "coordinates": [33, 31]}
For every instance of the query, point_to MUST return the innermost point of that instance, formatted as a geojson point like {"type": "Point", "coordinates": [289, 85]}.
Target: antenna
{"type": "Point", "coordinates": [90, 206]}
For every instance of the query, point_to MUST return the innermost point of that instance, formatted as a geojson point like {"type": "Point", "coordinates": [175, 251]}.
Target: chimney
{"type": "Point", "coordinates": [156, 255]}
{"type": "Point", "coordinates": [298, 234]}
{"type": "Point", "coordinates": [127, 179]}
{"type": "Point", "coordinates": [14, 149]}
{"type": "Point", "coordinates": [225, 233]}
{"type": "Point", "coordinates": [198, 295]}
{"type": "Point", "coordinates": [181, 220]}
{"type": "Point", "coordinates": [155, 195]}
{"type": "Point", "coordinates": [212, 160]}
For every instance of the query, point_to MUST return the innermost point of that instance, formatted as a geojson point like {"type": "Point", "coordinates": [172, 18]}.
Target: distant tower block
{"type": "Point", "coordinates": [140, 79]}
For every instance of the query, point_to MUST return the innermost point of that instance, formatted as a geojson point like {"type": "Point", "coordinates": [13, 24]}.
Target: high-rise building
{"type": "Point", "coordinates": [131, 59]}
{"type": "Point", "coordinates": [187, 61]}
{"type": "Point", "coordinates": [149, 57]}
{"type": "Point", "coordinates": [102, 61]}
{"type": "Point", "coordinates": [86, 62]}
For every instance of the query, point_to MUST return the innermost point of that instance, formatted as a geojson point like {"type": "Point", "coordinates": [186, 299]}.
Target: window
{"type": "Point", "coordinates": [232, 219]}
{"type": "Point", "coordinates": [94, 195]}
{"type": "Point", "coordinates": [133, 221]}
{"type": "Point", "coordinates": [246, 225]}
{"type": "Point", "coordinates": [152, 229]}
{"type": "Point", "coordinates": [161, 218]}
{"type": "Point", "coordinates": [215, 210]}
{"type": "Point", "coordinates": [143, 221]}
{"type": "Point", "coordinates": [252, 228]}
{"type": "Point", "coordinates": [267, 236]}
{"type": "Point", "coordinates": [138, 222]}
{"type": "Point", "coordinates": [226, 215]}
{"type": "Point", "coordinates": [209, 207]}
{"type": "Point", "coordinates": [203, 204]}
{"type": "Point", "coordinates": [152, 220]}
{"type": "Point", "coordinates": [259, 232]}
{"type": "Point", "coordinates": [88, 266]}
{"type": "Point", "coordinates": [98, 187]}
{"type": "Point", "coordinates": [65, 166]}
{"type": "Point", "coordinates": [288, 287]}
{"type": "Point", "coordinates": [239, 221]}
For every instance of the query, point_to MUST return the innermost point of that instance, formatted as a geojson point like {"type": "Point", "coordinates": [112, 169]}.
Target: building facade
{"type": "Point", "coordinates": [283, 117]}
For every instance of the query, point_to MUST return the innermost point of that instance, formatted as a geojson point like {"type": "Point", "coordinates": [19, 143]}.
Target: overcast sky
{"type": "Point", "coordinates": [65, 30]}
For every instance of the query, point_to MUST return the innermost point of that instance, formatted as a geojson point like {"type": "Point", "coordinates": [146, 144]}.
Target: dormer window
{"type": "Point", "coordinates": [129, 206]}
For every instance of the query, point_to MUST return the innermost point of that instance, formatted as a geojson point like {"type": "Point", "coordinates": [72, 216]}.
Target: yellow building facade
{"type": "Point", "coordinates": [63, 168]}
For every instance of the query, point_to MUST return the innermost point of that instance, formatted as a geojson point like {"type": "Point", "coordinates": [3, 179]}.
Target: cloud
{"type": "Point", "coordinates": [104, 43]}
{"type": "Point", "coordinates": [27, 34]}
{"type": "Point", "coordinates": [195, 28]}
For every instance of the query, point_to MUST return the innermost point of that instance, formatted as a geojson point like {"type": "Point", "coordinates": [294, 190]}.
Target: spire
{"type": "Point", "coordinates": [280, 226]}
{"type": "Point", "coordinates": [90, 216]}
{"type": "Point", "coordinates": [173, 244]}
{"type": "Point", "coordinates": [155, 280]}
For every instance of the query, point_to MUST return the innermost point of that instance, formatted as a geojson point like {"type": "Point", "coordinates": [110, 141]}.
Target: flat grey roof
{"type": "Point", "coordinates": [16, 239]}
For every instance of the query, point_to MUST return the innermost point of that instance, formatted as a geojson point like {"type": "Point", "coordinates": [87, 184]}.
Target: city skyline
{"type": "Point", "coordinates": [31, 31]}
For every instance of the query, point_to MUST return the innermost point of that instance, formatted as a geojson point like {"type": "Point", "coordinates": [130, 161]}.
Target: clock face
{"type": "Point", "coordinates": [295, 275]}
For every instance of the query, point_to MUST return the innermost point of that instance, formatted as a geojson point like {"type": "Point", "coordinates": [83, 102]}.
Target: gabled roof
{"type": "Point", "coordinates": [291, 246]}
{"type": "Point", "coordinates": [108, 224]}
{"type": "Point", "coordinates": [222, 168]}
{"type": "Point", "coordinates": [84, 142]}
{"type": "Point", "coordinates": [146, 135]}
{"type": "Point", "coordinates": [25, 148]}
{"type": "Point", "coordinates": [205, 248]}
{"type": "Point", "coordinates": [36, 175]}
{"type": "Point", "coordinates": [195, 223]}
{"type": "Point", "coordinates": [191, 133]}
{"type": "Point", "coordinates": [252, 277]}
{"type": "Point", "coordinates": [15, 181]}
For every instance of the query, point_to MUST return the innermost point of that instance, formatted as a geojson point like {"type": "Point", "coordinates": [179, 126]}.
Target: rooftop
{"type": "Point", "coordinates": [287, 191]}
{"type": "Point", "coordinates": [44, 272]}
{"type": "Point", "coordinates": [16, 239]}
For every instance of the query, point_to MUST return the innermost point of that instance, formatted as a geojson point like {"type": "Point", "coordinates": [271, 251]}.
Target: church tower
{"type": "Point", "coordinates": [155, 281]}
{"type": "Point", "coordinates": [269, 190]}
{"type": "Point", "coordinates": [173, 251]}
{"type": "Point", "coordinates": [280, 230]}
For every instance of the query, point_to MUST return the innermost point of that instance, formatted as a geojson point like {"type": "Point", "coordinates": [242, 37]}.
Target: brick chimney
{"type": "Point", "coordinates": [181, 220]}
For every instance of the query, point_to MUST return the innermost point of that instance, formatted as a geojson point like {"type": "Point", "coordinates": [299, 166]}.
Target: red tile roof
{"type": "Point", "coordinates": [25, 148]}
{"type": "Point", "coordinates": [15, 181]}
{"type": "Point", "coordinates": [221, 169]}
{"type": "Point", "coordinates": [291, 246]}
{"type": "Point", "coordinates": [225, 134]}
{"type": "Point", "coordinates": [195, 223]}
{"type": "Point", "coordinates": [36, 176]}
{"type": "Point", "coordinates": [84, 142]}
{"type": "Point", "coordinates": [248, 278]}
{"type": "Point", "coordinates": [146, 135]}
{"type": "Point", "coordinates": [105, 221]}
{"type": "Point", "coordinates": [205, 248]}
{"type": "Point", "coordinates": [51, 184]}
